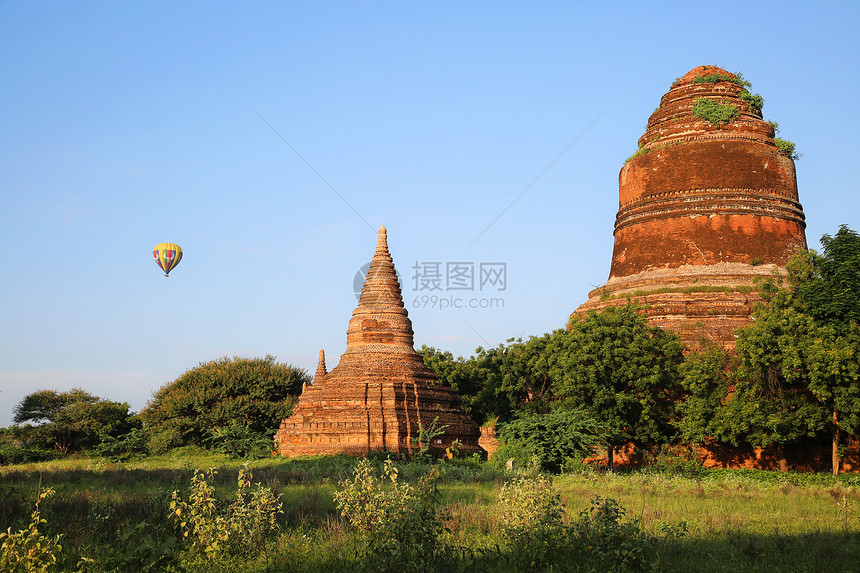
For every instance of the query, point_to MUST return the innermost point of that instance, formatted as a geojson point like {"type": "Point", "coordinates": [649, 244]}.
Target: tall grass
{"type": "Point", "coordinates": [736, 520]}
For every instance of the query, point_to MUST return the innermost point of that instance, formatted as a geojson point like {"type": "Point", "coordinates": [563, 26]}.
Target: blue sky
{"type": "Point", "coordinates": [271, 140]}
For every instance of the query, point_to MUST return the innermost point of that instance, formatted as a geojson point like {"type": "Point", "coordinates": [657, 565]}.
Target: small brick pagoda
{"type": "Point", "coordinates": [381, 393]}
{"type": "Point", "coordinates": [705, 210]}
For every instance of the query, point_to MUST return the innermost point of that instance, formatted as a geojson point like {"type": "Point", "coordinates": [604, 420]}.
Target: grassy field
{"type": "Point", "coordinates": [114, 517]}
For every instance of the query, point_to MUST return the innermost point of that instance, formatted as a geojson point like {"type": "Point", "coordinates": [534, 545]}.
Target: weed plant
{"type": "Point", "coordinates": [717, 113]}
{"type": "Point", "coordinates": [672, 516]}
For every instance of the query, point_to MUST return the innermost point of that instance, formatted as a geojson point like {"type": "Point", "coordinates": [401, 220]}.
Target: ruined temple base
{"type": "Point", "coordinates": [807, 457]}
{"type": "Point", "coordinates": [701, 303]}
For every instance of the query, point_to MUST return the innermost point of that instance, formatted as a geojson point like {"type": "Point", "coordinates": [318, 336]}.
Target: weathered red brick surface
{"type": "Point", "coordinates": [705, 211]}
{"type": "Point", "coordinates": [488, 440]}
{"type": "Point", "coordinates": [807, 456]}
{"type": "Point", "coordinates": [379, 394]}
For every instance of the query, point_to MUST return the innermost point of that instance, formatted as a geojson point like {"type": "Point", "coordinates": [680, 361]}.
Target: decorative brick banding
{"type": "Point", "coordinates": [705, 208]}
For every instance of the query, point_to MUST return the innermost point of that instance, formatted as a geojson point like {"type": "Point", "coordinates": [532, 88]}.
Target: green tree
{"type": "Point", "coordinates": [526, 373]}
{"type": "Point", "coordinates": [707, 376]}
{"type": "Point", "coordinates": [477, 379]}
{"type": "Point", "coordinates": [834, 380]}
{"type": "Point", "coordinates": [457, 374]}
{"type": "Point", "coordinates": [828, 284]}
{"type": "Point", "coordinates": [70, 421]}
{"type": "Point", "coordinates": [800, 359]}
{"type": "Point", "coordinates": [552, 438]}
{"type": "Point", "coordinates": [826, 287]}
{"type": "Point", "coordinates": [622, 370]}
{"type": "Point", "coordinates": [771, 404]}
{"type": "Point", "coordinates": [213, 398]}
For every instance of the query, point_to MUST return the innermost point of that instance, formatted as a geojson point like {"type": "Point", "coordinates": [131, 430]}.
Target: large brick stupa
{"type": "Point", "coordinates": [706, 209]}
{"type": "Point", "coordinates": [381, 394]}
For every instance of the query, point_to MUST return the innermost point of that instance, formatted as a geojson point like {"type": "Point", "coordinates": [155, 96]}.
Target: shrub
{"type": "Point", "coordinates": [135, 549]}
{"type": "Point", "coordinates": [214, 395]}
{"type": "Point", "coordinates": [786, 147]}
{"type": "Point", "coordinates": [520, 455]}
{"type": "Point", "coordinates": [718, 113]}
{"type": "Point", "coordinates": [11, 454]}
{"type": "Point", "coordinates": [684, 461]}
{"type": "Point", "coordinates": [737, 79]}
{"type": "Point", "coordinates": [611, 543]}
{"type": "Point", "coordinates": [239, 527]}
{"type": "Point", "coordinates": [29, 549]}
{"type": "Point", "coordinates": [240, 441]}
{"type": "Point", "coordinates": [533, 514]}
{"type": "Point", "coordinates": [600, 539]}
{"type": "Point", "coordinates": [754, 100]}
{"type": "Point", "coordinates": [426, 435]}
{"type": "Point", "coordinates": [401, 524]}
{"type": "Point", "coordinates": [527, 504]}
{"type": "Point", "coordinates": [123, 447]}
{"type": "Point", "coordinates": [554, 437]}
{"type": "Point", "coordinates": [641, 151]}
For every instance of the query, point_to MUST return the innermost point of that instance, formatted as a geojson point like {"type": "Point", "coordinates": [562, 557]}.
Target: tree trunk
{"type": "Point", "coordinates": [783, 463]}
{"type": "Point", "coordinates": [835, 451]}
{"type": "Point", "coordinates": [609, 455]}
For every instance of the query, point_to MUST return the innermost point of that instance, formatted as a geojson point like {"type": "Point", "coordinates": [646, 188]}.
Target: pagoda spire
{"type": "Point", "coordinates": [381, 288]}
{"type": "Point", "coordinates": [380, 323]}
{"type": "Point", "coordinates": [381, 392]}
{"type": "Point", "coordinates": [321, 373]}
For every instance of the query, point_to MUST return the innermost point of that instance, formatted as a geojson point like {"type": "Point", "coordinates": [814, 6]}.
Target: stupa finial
{"type": "Point", "coordinates": [382, 240]}
{"type": "Point", "coordinates": [321, 373]}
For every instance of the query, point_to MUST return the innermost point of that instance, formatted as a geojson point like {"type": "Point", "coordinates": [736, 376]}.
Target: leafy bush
{"type": "Point", "coordinates": [29, 549]}
{"type": "Point", "coordinates": [718, 113]}
{"type": "Point", "coordinates": [239, 441]}
{"type": "Point", "coordinates": [122, 447]}
{"type": "Point", "coordinates": [737, 79]}
{"type": "Point", "coordinates": [135, 549]}
{"type": "Point", "coordinates": [533, 514]}
{"type": "Point", "coordinates": [786, 147]}
{"type": "Point", "coordinates": [670, 460]}
{"type": "Point", "coordinates": [239, 527]}
{"type": "Point", "coordinates": [426, 435]}
{"type": "Point", "coordinates": [600, 539]}
{"type": "Point", "coordinates": [402, 524]}
{"type": "Point", "coordinates": [11, 454]}
{"type": "Point", "coordinates": [256, 391]}
{"type": "Point", "coordinates": [754, 100]}
{"type": "Point", "coordinates": [520, 455]}
{"type": "Point", "coordinates": [530, 503]}
{"type": "Point", "coordinates": [552, 438]}
{"type": "Point", "coordinates": [611, 543]}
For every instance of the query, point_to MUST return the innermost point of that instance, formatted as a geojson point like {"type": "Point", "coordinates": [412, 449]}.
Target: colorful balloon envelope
{"type": "Point", "coordinates": [167, 256]}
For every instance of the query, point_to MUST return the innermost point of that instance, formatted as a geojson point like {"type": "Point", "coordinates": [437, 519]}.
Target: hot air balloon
{"type": "Point", "coordinates": [167, 256]}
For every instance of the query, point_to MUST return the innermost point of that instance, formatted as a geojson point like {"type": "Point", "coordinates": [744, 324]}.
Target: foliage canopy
{"type": "Point", "coordinates": [70, 421]}
{"type": "Point", "coordinates": [552, 438]}
{"type": "Point", "coordinates": [622, 370]}
{"type": "Point", "coordinates": [222, 397]}
{"type": "Point", "coordinates": [797, 371]}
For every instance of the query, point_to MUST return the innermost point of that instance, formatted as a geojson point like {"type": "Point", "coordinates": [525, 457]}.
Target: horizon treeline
{"type": "Point", "coordinates": [609, 379]}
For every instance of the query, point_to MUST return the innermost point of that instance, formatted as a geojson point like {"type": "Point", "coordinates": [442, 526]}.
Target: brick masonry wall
{"type": "Point", "coordinates": [380, 394]}
{"type": "Point", "coordinates": [704, 211]}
